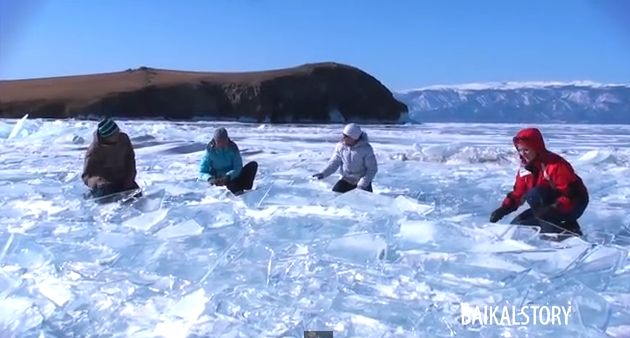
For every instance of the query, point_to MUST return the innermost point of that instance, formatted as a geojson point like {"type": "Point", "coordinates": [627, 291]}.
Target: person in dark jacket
{"type": "Point", "coordinates": [222, 164]}
{"type": "Point", "coordinates": [110, 163]}
{"type": "Point", "coordinates": [556, 195]}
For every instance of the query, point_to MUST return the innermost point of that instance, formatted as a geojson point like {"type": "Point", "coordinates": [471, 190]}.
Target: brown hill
{"type": "Point", "coordinates": [308, 93]}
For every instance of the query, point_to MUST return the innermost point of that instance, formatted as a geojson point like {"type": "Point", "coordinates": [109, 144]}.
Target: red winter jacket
{"type": "Point", "coordinates": [547, 169]}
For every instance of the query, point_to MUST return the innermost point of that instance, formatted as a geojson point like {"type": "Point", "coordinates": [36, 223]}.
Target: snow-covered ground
{"type": "Point", "coordinates": [187, 260]}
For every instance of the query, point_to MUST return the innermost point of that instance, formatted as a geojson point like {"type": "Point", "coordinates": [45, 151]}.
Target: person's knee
{"type": "Point", "coordinates": [250, 169]}
{"type": "Point", "coordinates": [533, 194]}
{"type": "Point", "coordinates": [525, 218]}
{"type": "Point", "coordinates": [537, 196]}
{"type": "Point", "coordinates": [343, 186]}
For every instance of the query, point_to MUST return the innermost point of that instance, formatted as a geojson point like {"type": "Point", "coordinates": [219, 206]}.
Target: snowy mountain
{"type": "Point", "coordinates": [514, 102]}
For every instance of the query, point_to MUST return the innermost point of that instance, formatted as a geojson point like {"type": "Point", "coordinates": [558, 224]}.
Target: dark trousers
{"type": "Point", "coordinates": [344, 186]}
{"type": "Point", "coordinates": [110, 189]}
{"type": "Point", "coordinates": [553, 221]}
{"type": "Point", "coordinates": [107, 193]}
{"type": "Point", "coordinates": [245, 180]}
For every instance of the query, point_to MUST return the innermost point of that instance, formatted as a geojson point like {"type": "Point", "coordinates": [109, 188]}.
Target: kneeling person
{"type": "Point", "coordinates": [355, 159]}
{"type": "Point", "coordinates": [556, 195]}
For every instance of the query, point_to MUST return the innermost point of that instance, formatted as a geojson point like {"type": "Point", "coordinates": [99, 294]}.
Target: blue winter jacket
{"type": "Point", "coordinates": [220, 162]}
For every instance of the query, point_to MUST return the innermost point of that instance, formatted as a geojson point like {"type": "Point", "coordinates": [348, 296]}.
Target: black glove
{"type": "Point", "coordinates": [319, 176]}
{"type": "Point", "coordinates": [498, 214]}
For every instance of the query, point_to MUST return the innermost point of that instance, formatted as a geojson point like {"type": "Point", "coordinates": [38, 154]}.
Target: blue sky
{"type": "Point", "coordinates": [405, 44]}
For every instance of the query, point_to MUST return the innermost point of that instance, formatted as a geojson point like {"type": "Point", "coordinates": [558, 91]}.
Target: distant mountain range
{"type": "Point", "coordinates": [520, 102]}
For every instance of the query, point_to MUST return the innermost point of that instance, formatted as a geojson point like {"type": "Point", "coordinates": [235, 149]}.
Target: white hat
{"type": "Point", "coordinates": [353, 131]}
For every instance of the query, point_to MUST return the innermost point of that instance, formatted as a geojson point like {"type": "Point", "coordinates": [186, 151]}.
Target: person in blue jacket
{"type": "Point", "coordinates": [222, 164]}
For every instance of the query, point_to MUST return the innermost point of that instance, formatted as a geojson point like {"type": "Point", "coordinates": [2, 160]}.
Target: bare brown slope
{"type": "Point", "coordinates": [304, 93]}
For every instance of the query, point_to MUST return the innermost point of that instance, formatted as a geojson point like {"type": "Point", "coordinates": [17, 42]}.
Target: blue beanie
{"type": "Point", "coordinates": [107, 128]}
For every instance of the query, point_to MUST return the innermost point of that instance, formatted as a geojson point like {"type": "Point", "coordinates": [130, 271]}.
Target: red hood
{"type": "Point", "coordinates": [532, 138]}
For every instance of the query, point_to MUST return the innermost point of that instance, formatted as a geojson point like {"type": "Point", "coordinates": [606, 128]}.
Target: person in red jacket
{"type": "Point", "coordinates": [547, 182]}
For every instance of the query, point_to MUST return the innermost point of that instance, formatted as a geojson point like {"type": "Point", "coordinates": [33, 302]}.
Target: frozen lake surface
{"type": "Point", "coordinates": [188, 260]}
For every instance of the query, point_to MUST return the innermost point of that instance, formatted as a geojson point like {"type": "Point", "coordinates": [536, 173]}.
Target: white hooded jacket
{"type": "Point", "coordinates": [356, 163]}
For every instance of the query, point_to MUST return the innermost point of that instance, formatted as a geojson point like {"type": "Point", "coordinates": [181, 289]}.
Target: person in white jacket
{"type": "Point", "coordinates": [355, 159]}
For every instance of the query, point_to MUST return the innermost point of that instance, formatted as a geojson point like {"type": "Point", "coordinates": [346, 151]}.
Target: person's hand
{"type": "Point", "coordinates": [498, 214]}
{"type": "Point", "coordinates": [92, 182]}
{"type": "Point", "coordinates": [103, 183]}
{"type": "Point", "coordinates": [96, 182]}
{"type": "Point", "coordinates": [318, 176]}
{"type": "Point", "coordinates": [221, 181]}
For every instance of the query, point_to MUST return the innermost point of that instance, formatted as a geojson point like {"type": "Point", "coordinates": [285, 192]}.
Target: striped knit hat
{"type": "Point", "coordinates": [107, 128]}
